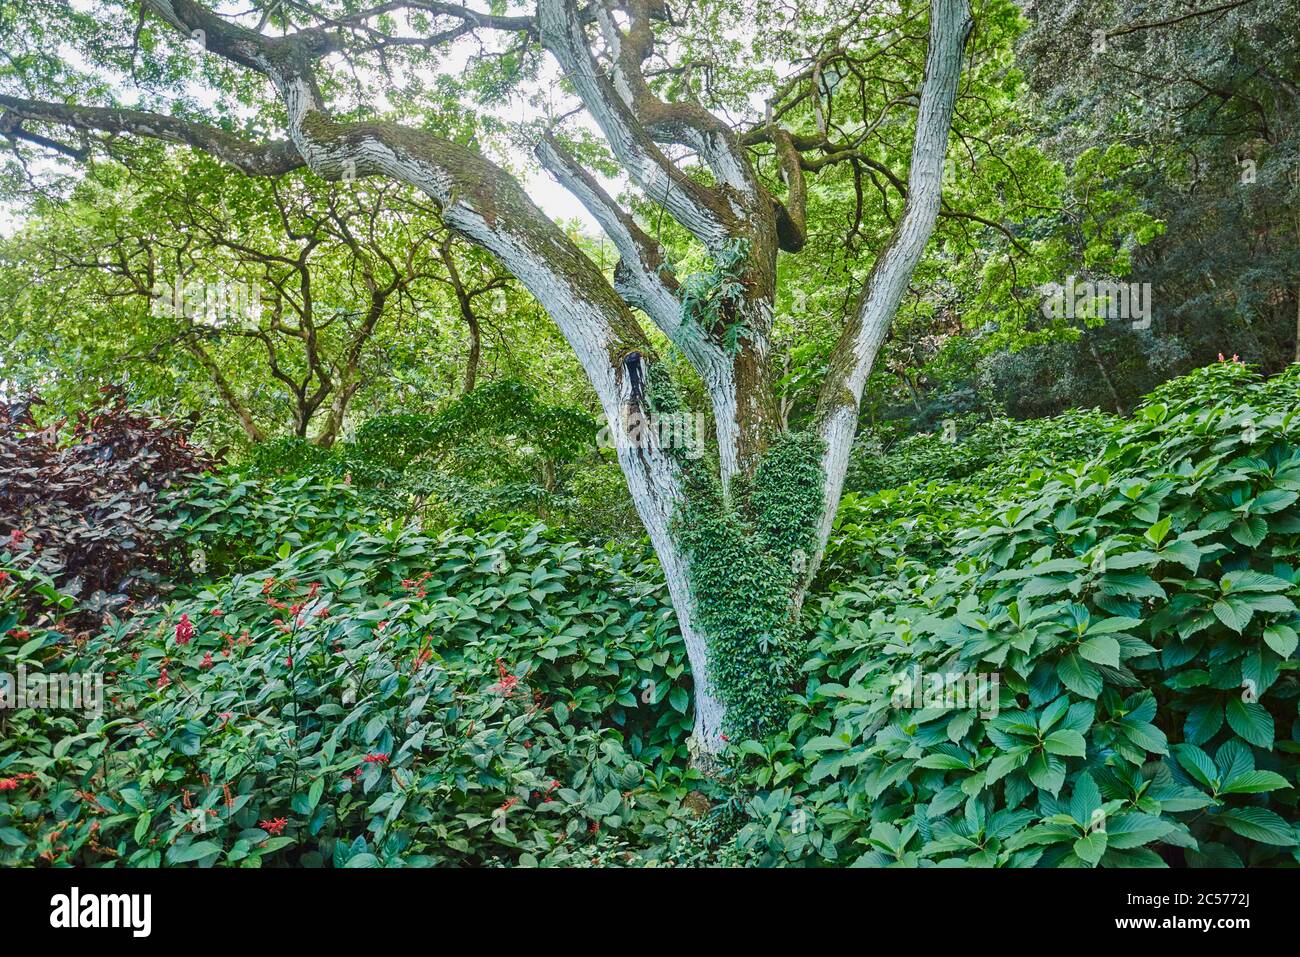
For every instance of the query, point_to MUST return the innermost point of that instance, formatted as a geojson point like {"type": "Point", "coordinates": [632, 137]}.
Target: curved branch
{"type": "Point", "coordinates": [855, 352]}
{"type": "Point", "coordinates": [697, 208]}
{"type": "Point", "coordinates": [640, 276]}
{"type": "Point", "coordinates": [256, 159]}
{"type": "Point", "coordinates": [792, 215]}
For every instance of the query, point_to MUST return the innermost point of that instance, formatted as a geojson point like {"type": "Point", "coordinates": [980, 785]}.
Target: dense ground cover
{"type": "Point", "coordinates": [310, 678]}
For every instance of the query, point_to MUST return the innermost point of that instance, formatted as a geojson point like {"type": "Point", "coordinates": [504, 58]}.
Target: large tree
{"type": "Point", "coordinates": [740, 539]}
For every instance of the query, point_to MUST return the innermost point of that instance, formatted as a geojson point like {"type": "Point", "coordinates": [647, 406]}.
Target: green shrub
{"type": "Point", "coordinates": [1138, 614]}
{"type": "Point", "coordinates": [370, 699]}
{"type": "Point", "coordinates": [978, 452]}
{"type": "Point", "coordinates": [229, 523]}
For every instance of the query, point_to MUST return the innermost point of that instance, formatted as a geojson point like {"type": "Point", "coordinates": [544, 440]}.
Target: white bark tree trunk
{"type": "Point", "coordinates": [486, 205]}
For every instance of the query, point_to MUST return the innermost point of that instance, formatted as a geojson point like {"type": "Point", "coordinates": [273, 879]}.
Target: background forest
{"type": "Point", "coordinates": [320, 489]}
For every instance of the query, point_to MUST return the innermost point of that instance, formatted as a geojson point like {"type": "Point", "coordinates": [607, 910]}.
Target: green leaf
{"type": "Point", "coordinates": [1109, 625]}
{"type": "Point", "coordinates": [1102, 650]}
{"type": "Point", "coordinates": [1046, 772]}
{"type": "Point", "coordinates": [1258, 824]}
{"type": "Point", "coordinates": [185, 853]}
{"type": "Point", "coordinates": [1146, 736]}
{"type": "Point", "coordinates": [1282, 639]}
{"type": "Point", "coordinates": [1133, 830]}
{"type": "Point", "coordinates": [1236, 615]}
{"type": "Point", "coordinates": [1086, 800]}
{"type": "Point", "coordinates": [1251, 721]}
{"type": "Point", "coordinates": [1157, 532]}
{"type": "Point", "coordinates": [1203, 721]}
{"type": "Point", "coordinates": [1091, 846]}
{"type": "Point", "coordinates": [1255, 782]}
{"type": "Point", "coordinates": [1066, 743]}
{"type": "Point", "coordinates": [1198, 764]}
{"type": "Point", "coordinates": [941, 762]}
{"type": "Point", "coordinates": [1079, 676]}
{"type": "Point", "coordinates": [1249, 531]}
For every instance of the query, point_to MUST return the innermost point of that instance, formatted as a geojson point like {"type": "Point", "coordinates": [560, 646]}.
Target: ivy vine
{"type": "Point", "coordinates": [745, 555]}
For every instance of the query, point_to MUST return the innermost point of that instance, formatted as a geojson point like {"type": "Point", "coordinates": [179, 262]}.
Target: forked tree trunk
{"type": "Point", "coordinates": [741, 394]}
{"type": "Point", "coordinates": [487, 206]}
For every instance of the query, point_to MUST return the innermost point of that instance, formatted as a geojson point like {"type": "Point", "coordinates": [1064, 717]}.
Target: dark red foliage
{"type": "Point", "coordinates": [79, 501]}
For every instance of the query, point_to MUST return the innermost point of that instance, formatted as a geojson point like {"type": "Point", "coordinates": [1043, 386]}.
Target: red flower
{"type": "Point", "coordinates": [506, 685]}
{"type": "Point", "coordinates": [288, 662]}
{"type": "Point", "coordinates": [163, 680]}
{"type": "Point", "coordinates": [218, 612]}
{"type": "Point", "coordinates": [275, 826]}
{"type": "Point", "coordinates": [207, 660]}
{"type": "Point", "coordinates": [376, 759]}
{"type": "Point", "coordinates": [4, 577]}
{"type": "Point", "coordinates": [8, 784]}
{"type": "Point", "coordinates": [509, 804]}
{"type": "Point", "coordinates": [184, 630]}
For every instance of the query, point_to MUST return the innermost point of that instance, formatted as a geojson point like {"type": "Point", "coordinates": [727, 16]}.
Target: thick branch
{"type": "Point", "coordinates": [856, 351]}
{"type": "Point", "coordinates": [640, 277]}
{"type": "Point", "coordinates": [699, 210]}
{"type": "Point", "coordinates": [226, 390]}
{"type": "Point", "coordinates": [256, 159]}
{"type": "Point", "coordinates": [685, 124]}
{"type": "Point", "coordinates": [792, 215]}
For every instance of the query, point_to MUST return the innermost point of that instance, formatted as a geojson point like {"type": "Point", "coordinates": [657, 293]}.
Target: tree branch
{"type": "Point", "coordinates": [256, 159]}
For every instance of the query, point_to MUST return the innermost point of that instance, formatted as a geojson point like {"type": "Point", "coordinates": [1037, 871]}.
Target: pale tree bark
{"type": "Point", "coordinates": [855, 353]}
{"type": "Point", "coordinates": [602, 56]}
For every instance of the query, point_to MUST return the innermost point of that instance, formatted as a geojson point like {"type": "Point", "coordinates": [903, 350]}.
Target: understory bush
{"type": "Point", "coordinates": [1133, 618]}
{"type": "Point", "coordinates": [498, 450]}
{"type": "Point", "coordinates": [379, 698]}
{"type": "Point", "coordinates": [984, 453]}
{"type": "Point", "coordinates": [1074, 655]}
